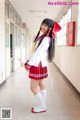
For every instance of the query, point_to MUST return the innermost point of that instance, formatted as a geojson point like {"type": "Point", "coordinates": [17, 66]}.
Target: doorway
{"type": "Point", "coordinates": [11, 47]}
{"type": "Point", "coordinates": [9, 33]}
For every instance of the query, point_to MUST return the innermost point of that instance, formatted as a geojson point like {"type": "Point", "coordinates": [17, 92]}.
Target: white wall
{"type": "Point", "coordinates": [2, 40]}
{"type": "Point", "coordinates": [68, 58]}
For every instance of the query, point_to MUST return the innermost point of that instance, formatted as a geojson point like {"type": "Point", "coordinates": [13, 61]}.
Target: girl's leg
{"type": "Point", "coordinates": [42, 84]}
{"type": "Point", "coordinates": [43, 89]}
{"type": "Point", "coordinates": [34, 84]}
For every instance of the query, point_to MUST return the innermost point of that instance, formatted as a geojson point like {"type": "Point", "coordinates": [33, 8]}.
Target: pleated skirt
{"type": "Point", "coordinates": [38, 73]}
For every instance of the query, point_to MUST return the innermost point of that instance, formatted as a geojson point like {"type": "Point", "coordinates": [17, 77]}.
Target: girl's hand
{"type": "Point", "coordinates": [26, 69]}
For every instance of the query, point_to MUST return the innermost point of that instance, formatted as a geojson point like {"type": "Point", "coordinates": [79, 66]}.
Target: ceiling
{"type": "Point", "coordinates": [34, 11]}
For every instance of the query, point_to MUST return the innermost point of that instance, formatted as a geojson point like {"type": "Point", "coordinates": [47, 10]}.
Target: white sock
{"type": "Point", "coordinates": [43, 93]}
{"type": "Point", "coordinates": [39, 99]}
{"type": "Point", "coordinates": [41, 105]}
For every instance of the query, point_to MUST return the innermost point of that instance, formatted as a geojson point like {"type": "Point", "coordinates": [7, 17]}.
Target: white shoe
{"type": "Point", "coordinates": [38, 109]}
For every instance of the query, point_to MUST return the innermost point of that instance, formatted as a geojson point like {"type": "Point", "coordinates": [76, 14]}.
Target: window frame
{"type": "Point", "coordinates": [63, 24]}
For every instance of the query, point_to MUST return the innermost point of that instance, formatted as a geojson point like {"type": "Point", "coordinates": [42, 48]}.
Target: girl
{"type": "Point", "coordinates": [37, 64]}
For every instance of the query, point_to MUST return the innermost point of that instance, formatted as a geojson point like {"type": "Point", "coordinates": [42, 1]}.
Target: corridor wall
{"type": "Point", "coordinates": [2, 41]}
{"type": "Point", "coordinates": [67, 58]}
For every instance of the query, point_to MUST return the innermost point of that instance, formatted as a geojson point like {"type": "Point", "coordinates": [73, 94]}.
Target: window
{"type": "Point", "coordinates": [15, 18]}
{"type": "Point", "coordinates": [61, 36]}
{"type": "Point", "coordinates": [7, 9]}
{"type": "Point", "coordinates": [11, 13]}
{"type": "Point", "coordinates": [78, 34]}
{"type": "Point", "coordinates": [17, 36]}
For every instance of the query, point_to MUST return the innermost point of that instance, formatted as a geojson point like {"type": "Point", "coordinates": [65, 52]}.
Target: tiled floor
{"type": "Point", "coordinates": [62, 102]}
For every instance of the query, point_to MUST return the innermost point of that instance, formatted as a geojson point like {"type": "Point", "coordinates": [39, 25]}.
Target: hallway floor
{"type": "Point", "coordinates": [62, 102]}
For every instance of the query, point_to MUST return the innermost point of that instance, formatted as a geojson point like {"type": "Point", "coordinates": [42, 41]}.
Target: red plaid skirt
{"type": "Point", "coordinates": [38, 73]}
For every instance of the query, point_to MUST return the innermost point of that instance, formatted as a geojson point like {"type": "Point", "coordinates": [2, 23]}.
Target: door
{"type": "Point", "coordinates": [11, 47]}
{"type": "Point", "coordinates": [11, 51]}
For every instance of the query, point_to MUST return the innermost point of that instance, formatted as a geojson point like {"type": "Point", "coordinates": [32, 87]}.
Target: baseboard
{"type": "Point", "coordinates": [2, 83]}
{"type": "Point", "coordinates": [76, 92]}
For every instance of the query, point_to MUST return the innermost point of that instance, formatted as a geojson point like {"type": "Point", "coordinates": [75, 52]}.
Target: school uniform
{"type": "Point", "coordinates": [38, 63]}
{"type": "Point", "coordinates": [38, 66]}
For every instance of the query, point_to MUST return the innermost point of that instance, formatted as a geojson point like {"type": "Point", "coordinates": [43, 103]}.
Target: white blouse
{"type": "Point", "coordinates": [40, 54]}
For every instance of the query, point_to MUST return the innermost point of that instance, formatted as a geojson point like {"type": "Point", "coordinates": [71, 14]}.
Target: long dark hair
{"type": "Point", "coordinates": [51, 49]}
